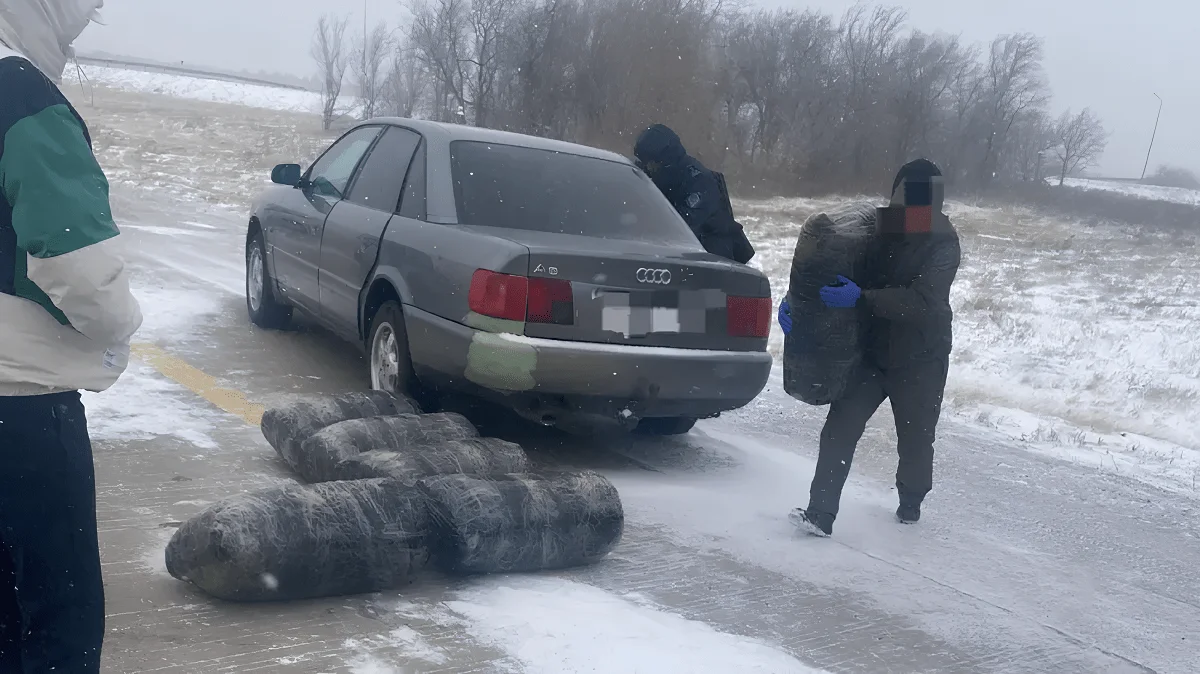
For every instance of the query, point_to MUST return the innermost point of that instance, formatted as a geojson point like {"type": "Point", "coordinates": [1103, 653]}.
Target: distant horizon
{"type": "Point", "coordinates": [1101, 54]}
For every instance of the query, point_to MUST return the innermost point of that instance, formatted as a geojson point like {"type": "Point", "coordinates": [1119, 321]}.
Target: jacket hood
{"type": "Point", "coordinates": [43, 30]}
{"type": "Point", "coordinates": [659, 144]}
{"type": "Point", "coordinates": [919, 183]}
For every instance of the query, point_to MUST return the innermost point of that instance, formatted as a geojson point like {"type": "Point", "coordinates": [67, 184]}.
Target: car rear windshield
{"type": "Point", "coordinates": [547, 191]}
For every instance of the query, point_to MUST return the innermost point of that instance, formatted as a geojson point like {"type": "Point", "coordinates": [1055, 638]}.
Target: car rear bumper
{"type": "Point", "coordinates": [601, 379]}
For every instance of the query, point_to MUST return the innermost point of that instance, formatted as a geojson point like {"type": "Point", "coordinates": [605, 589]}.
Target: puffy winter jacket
{"type": "Point", "coordinates": [906, 288]}
{"type": "Point", "coordinates": [66, 311]}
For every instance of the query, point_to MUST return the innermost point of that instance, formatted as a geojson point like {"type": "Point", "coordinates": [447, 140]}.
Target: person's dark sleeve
{"type": "Point", "coordinates": [928, 294]}
{"type": "Point", "coordinates": [701, 201]}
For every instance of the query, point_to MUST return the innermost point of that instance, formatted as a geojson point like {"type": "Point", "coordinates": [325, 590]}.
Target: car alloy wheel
{"type": "Point", "coordinates": [385, 360]}
{"type": "Point", "coordinates": [255, 274]}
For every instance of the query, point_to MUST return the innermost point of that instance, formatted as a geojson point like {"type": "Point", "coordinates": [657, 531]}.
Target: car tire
{"type": "Point", "coordinates": [665, 426]}
{"type": "Point", "coordinates": [264, 309]}
{"type": "Point", "coordinates": [388, 357]}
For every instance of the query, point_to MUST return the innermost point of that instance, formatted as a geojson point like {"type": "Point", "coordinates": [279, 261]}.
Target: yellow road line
{"type": "Point", "coordinates": [203, 385]}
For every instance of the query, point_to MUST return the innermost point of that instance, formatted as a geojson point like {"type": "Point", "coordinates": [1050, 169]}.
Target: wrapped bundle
{"type": "Point", "coordinates": [473, 457]}
{"type": "Point", "coordinates": [287, 426]}
{"type": "Point", "coordinates": [824, 348]}
{"type": "Point", "coordinates": [304, 541]}
{"type": "Point", "coordinates": [522, 522]}
{"type": "Point", "coordinates": [319, 456]}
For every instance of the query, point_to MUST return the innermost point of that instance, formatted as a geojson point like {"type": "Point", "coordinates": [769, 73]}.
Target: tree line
{"type": "Point", "coordinates": [787, 99]}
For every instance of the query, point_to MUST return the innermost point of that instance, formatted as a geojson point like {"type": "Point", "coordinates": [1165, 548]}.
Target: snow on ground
{"type": "Point", "coordinates": [555, 626]}
{"type": "Point", "coordinates": [1071, 338]}
{"type": "Point", "coordinates": [1178, 195]}
{"type": "Point", "coordinates": [210, 91]}
{"type": "Point", "coordinates": [143, 405]}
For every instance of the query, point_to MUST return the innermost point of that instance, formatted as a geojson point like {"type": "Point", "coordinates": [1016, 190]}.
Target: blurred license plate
{"type": "Point", "coordinates": [639, 320]}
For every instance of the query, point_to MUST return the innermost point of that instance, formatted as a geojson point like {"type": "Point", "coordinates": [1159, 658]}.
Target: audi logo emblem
{"type": "Point", "coordinates": [658, 276]}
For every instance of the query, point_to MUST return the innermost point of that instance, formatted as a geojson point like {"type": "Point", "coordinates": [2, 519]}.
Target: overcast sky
{"type": "Point", "coordinates": [1111, 55]}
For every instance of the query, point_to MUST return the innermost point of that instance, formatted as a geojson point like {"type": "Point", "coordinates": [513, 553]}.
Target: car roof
{"type": "Point", "coordinates": [448, 133]}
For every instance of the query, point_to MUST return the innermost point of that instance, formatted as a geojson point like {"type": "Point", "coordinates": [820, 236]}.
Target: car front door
{"type": "Point", "coordinates": [294, 230]}
{"type": "Point", "coordinates": [350, 240]}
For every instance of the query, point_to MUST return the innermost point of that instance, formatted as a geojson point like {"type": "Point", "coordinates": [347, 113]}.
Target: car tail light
{"type": "Point", "coordinates": [748, 316]}
{"type": "Point", "coordinates": [498, 295]}
{"type": "Point", "coordinates": [550, 301]}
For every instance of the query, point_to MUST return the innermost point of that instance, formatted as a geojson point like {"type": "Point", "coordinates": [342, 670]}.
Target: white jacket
{"type": "Point", "coordinates": [66, 311]}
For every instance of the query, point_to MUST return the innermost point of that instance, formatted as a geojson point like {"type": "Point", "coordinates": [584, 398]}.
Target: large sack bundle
{"type": "Point", "coordinates": [304, 541]}
{"type": "Point", "coordinates": [522, 522]}
{"type": "Point", "coordinates": [824, 347]}
{"type": "Point", "coordinates": [473, 457]}
{"type": "Point", "coordinates": [287, 426]}
{"type": "Point", "coordinates": [318, 457]}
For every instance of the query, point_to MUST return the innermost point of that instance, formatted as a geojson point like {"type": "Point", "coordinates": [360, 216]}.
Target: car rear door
{"type": "Point", "coordinates": [350, 240]}
{"type": "Point", "coordinates": [296, 224]}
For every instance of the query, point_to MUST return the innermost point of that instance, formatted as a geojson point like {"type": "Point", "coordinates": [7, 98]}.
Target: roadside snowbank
{"type": "Point", "coordinates": [1178, 195]}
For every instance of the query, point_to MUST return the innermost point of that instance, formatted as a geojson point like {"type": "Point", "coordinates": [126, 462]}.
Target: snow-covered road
{"type": "Point", "coordinates": [1024, 562]}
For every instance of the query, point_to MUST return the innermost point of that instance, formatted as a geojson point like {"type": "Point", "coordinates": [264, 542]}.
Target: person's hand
{"type": "Point", "coordinates": [785, 317]}
{"type": "Point", "coordinates": [841, 296]}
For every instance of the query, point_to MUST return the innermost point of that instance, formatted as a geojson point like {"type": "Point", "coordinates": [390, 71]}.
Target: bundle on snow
{"type": "Point", "coordinates": [473, 457]}
{"type": "Point", "coordinates": [824, 348]}
{"type": "Point", "coordinates": [318, 457]}
{"type": "Point", "coordinates": [287, 426]}
{"type": "Point", "coordinates": [522, 522]}
{"type": "Point", "coordinates": [304, 541]}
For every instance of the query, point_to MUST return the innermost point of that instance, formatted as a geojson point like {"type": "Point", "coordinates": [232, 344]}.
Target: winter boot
{"type": "Point", "coordinates": [812, 522]}
{"type": "Point", "coordinates": [909, 511]}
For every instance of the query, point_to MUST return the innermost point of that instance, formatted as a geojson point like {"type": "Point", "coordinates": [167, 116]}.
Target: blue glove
{"type": "Point", "coordinates": [842, 296]}
{"type": "Point", "coordinates": [785, 317]}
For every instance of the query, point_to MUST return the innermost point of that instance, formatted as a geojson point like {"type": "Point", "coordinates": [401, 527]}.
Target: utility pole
{"type": "Point", "coordinates": [1152, 135]}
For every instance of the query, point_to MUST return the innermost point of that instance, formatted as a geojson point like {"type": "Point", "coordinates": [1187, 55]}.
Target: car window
{"type": "Point", "coordinates": [330, 175]}
{"type": "Point", "coordinates": [412, 204]}
{"type": "Point", "coordinates": [542, 190]}
{"type": "Point", "coordinates": [381, 177]}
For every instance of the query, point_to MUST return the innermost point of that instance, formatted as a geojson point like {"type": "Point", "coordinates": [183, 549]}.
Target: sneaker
{"type": "Point", "coordinates": [908, 513]}
{"type": "Point", "coordinates": [814, 524]}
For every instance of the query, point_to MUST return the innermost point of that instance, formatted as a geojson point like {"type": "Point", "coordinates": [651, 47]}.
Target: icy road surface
{"type": "Point", "coordinates": [1026, 561]}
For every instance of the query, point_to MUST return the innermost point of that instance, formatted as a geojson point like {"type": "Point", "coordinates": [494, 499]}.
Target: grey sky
{"type": "Point", "coordinates": [1111, 55]}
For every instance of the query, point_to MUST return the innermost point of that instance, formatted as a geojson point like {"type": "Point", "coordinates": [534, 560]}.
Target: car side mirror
{"type": "Point", "coordinates": [286, 174]}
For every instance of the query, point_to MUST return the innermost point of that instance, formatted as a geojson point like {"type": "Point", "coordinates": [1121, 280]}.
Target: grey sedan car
{"type": "Point", "coordinates": [550, 277]}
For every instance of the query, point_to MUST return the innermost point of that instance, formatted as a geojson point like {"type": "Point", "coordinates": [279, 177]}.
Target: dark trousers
{"type": "Point", "coordinates": [915, 391]}
{"type": "Point", "coordinates": [51, 591]}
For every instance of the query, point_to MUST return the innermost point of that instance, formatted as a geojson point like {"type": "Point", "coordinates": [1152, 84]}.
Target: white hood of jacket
{"type": "Point", "coordinates": [43, 30]}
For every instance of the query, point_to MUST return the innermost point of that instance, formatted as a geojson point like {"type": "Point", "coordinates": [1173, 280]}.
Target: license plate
{"type": "Point", "coordinates": [637, 314]}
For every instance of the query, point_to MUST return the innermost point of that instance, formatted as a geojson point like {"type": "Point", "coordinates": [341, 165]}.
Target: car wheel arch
{"type": "Point", "coordinates": [380, 291]}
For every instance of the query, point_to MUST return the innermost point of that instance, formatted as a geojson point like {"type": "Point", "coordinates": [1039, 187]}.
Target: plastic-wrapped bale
{"type": "Point", "coordinates": [522, 522]}
{"type": "Point", "coordinates": [304, 541]}
{"type": "Point", "coordinates": [287, 426]}
{"type": "Point", "coordinates": [473, 457]}
{"type": "Point", "coordinates": [824, 347]}
{"type": "Point", "coordinates": [319, 457]}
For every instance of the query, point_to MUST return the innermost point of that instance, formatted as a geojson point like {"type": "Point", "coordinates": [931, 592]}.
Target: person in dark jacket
{"type": "Point", "coordinates": [905, 303]}
{"type": "Point", "coordinates": [696, 192]}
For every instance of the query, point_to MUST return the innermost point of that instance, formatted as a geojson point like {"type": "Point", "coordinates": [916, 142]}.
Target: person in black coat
{"type": "Point", "coordinates": [904, 299]}
{"type": "Point", "coordinates": [698, 194]}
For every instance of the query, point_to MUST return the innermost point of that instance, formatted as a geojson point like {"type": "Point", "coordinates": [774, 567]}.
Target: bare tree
{"type": "Point", "coordinates": [329, 51]}
{"type": "Point", "coordinates": [1174, 176]}
{"type": "Point", "coordinates": [438, 37]}
{"type": "Point", "coordinates": [1081, 140]}
{"type": "Point", "coordinates": [405, 84]}
{"type": "Point", "coordinates": [367, 65]}
{"type": "Point", "coordinates": [1013, 84]}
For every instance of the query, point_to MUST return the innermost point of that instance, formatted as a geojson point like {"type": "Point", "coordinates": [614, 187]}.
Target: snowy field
{"type": "Point", "coordinates": [1178, 195]}
{"type": "Point", "coordinates": [1066, 455]}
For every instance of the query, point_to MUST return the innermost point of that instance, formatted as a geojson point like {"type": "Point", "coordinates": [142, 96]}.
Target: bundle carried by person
{"type": "Point", "coordinates": [824, 347]}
